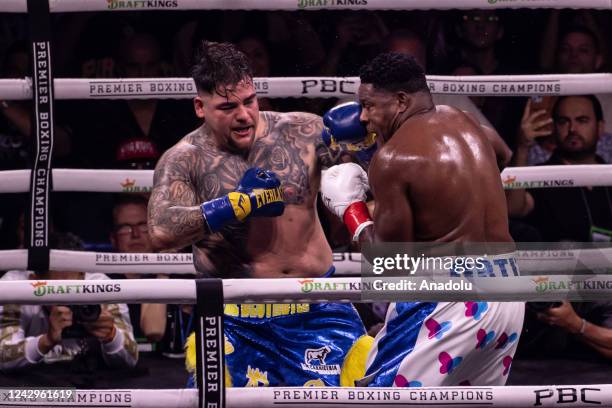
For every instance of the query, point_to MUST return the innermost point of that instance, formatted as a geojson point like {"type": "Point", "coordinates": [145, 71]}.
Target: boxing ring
{"type": "Point", "coordinates": [42, 179]}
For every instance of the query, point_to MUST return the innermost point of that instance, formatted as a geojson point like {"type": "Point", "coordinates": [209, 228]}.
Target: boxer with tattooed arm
{"type": "Point", "coordinates": [241, 190]}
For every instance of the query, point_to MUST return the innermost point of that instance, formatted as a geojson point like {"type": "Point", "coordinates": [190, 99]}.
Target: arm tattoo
{"type": "Point", "coordinates": [174, 216]}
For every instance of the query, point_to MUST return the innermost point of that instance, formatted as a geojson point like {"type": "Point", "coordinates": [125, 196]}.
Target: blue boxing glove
{"type": "Point", "coordinates": [259, 194]}
{"type": "Point", "coordinates": [343, 129]}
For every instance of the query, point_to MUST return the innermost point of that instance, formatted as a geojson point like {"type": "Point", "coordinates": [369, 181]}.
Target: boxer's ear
{"type": "Point", "coordinates": [198, 105]}
{"type": "Point", "coordinates": [404, 101]}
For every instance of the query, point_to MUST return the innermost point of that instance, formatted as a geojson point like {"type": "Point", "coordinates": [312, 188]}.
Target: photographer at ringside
{"type": "Point", "coordinates": [31, 334]}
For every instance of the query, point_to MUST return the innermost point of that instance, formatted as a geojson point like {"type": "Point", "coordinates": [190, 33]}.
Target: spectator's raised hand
{"type": "Point", "coordinates": [533, 125]}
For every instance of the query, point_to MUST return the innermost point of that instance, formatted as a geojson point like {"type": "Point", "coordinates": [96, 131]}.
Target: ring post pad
{"type": "Point", "coordinates": [210, 366]}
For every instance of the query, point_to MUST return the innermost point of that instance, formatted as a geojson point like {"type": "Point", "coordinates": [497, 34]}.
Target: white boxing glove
{"type": "Point", "coordinates": [343, 189]}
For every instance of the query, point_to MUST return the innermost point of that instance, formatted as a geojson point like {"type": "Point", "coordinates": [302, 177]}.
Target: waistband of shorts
{"type": "Point", "coordinates": [330, 272]}
{"type": "Point", "coordinates": [269, 310]}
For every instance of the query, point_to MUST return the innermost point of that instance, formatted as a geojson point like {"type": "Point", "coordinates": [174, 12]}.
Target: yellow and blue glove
{"type": "Point", "coordinates": [259, 194]}
{"type": "Point", "coordinates": [343, 129]}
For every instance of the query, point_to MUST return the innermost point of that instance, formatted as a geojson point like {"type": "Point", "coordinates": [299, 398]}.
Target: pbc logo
{"type": "Point", "coordinates": [565, 395]}
{"type": "Point", "coordinates": [343, 86]}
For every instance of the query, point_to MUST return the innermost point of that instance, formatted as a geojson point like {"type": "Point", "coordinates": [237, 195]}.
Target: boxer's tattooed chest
{"type": "Point", "coordinates": [219, 174]}
{"type": "Point", "coordinates": [288, 150]}
{"type": "Point", "coordinates": [285, 149]}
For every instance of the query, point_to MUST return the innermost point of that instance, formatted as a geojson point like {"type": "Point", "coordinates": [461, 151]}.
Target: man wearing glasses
{"type": "Point", "coordinates": [130, 234]}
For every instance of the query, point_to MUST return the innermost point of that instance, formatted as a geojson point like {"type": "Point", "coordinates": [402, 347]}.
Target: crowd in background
{"type": "Point", "coordinates": [134, 133]}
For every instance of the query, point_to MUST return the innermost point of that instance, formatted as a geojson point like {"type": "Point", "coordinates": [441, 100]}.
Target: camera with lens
{"type": "Point", "coordinates": [542, 306]}
{"type": "Point", "coordinates": [81, 314]}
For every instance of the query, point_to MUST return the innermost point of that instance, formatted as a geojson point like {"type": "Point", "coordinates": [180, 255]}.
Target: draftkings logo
{"type": "Point", "coordinates": [510, 182]}
{"type": "Point", "coordinates": [544, 284]}
{"type": "Point", "coordinates": [319, 355]}
{"type": "Point", "coordinates": [309, 285]}
{"type": "Point", "coordinates": [129, 186]}
{"type": "Point", "coordinates": [43, 288]}
{"type": "Point", "coordinates": [141, 4]}
{"type": "Point", "coordinates": [330, 3]}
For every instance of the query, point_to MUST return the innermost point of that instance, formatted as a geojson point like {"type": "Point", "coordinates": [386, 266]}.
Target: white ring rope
{"type": "Point", "coordinates": [314, 87]}
{"type": "Point", "coordinates": [599, 395]}
{"type": "Point", "coordinates": [104, 262]}
{"type": "Point", "coordinates": [288, 290]}
{"type": "Point", "coordinates": [308, 290]}
{"type": "Point", "coordinates": [84, 180]}
{"type": "Point", "coordinates": [138, 181]}
{"type": "Point", "coordinates": [347, 264]}
{"type": "Point", "coordinates": [19, 6]}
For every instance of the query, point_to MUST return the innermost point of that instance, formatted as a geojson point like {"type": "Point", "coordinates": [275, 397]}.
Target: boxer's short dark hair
{"type": "Point", "coordinates": [218, 65]}
{"type": "Point", "coordinates": [393, 72]}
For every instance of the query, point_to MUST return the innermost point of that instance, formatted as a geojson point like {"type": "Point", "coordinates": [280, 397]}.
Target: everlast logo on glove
{"type": "Point", "coordinates": [267, 196]}
{"type": "Point", "coordinates": [241, 204]}
{"type": "Point", "coordinates": [259, 194]}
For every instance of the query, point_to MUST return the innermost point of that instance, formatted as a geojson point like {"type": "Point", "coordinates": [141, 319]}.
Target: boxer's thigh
{"type": "Point", "coordinates": [251, 355]}
{"type": "Point", "coordinates": [316, 343]}
{"type": "Point", "coordinates": [463, 343]}
{"type": "Point", "coordinates": [395, 341]}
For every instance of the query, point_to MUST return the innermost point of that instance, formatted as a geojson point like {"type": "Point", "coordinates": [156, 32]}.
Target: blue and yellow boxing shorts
{"type": "Point", "coordinates": [293, 345]}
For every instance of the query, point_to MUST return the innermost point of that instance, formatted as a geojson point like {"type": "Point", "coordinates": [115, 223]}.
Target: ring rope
{"type": "Point", "coordinates": [346, 264]}
{"type": "Point", "coordinates": [599, 395]}
{"type": "Point", "coordinates": [57, 6]}
{"type": "Point", "coordinates": [309, 290]}
{"type": "Point", "coordinates": [139, 181]}
{"type": "Point", "coordinates": [314, 87]}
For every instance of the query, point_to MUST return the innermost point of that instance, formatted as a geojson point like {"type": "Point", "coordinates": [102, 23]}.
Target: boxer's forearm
{"type": "Point", "coordinates": [599, 338]}
{"type": "Point", "coordinates": [176, 227]}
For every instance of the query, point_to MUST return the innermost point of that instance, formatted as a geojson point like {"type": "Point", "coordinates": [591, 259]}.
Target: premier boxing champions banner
{"type": "Point", "coordinates": [319, 87]}
{"type": "Point", "coordinates": [42, 128]}
{"type": "Point", "coordinates": [210, 361]}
